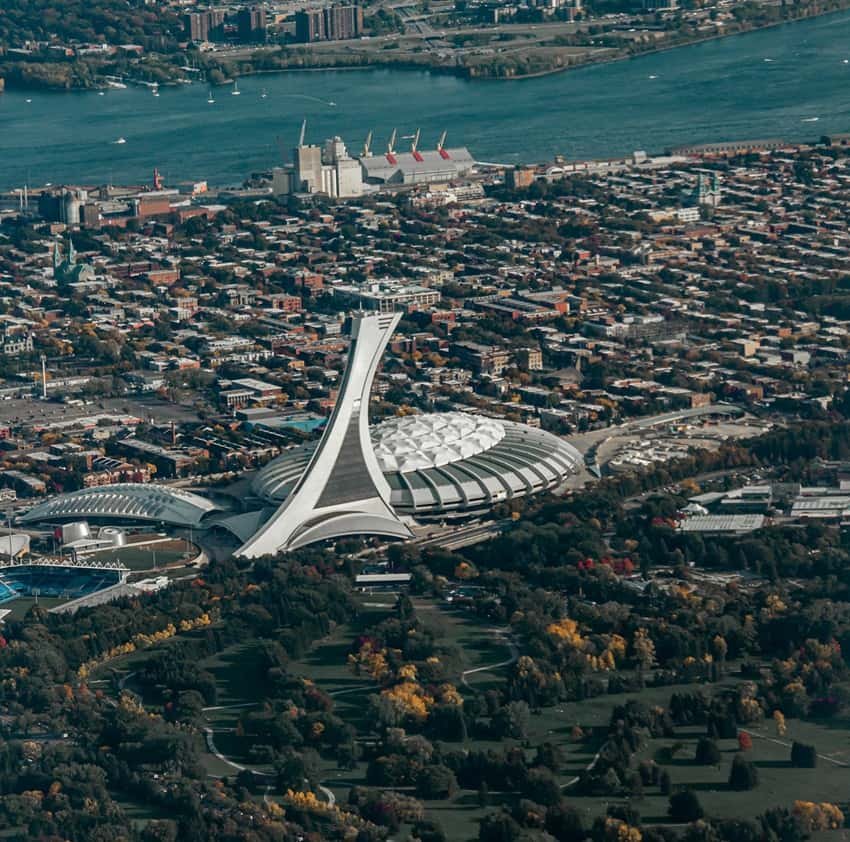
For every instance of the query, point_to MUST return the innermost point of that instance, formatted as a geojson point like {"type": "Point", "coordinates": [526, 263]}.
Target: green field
{"type": "Point", "coordinates": [326, 664]}
{"type": "Point", "coordinates": [145, 556]}
{"type": "Point", "coordinates": [18, 607]}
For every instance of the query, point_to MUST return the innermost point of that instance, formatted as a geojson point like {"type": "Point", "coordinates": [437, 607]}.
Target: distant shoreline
{"type": "Point", "coordinates": [665, 48]}
{"type": "Point", "coordinates": [468, 73]}
{"type": "Point", "coordinates": [463, 72]}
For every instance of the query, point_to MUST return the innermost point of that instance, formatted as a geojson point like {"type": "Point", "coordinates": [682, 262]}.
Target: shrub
{"type": "Point", "coordinates": [685, 806]}
{"type": "Point", "coordinates": [743, 775]}
{"type": "Point", "coordinates": [707, 752]}
{"type": "Point", "coordinates": [803, 756]}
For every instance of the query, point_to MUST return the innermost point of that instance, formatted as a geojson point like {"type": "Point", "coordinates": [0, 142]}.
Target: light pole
{"type": "Point", "coordinates": [9, 528]}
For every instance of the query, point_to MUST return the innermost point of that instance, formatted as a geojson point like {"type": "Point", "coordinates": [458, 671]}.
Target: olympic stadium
{"type": "Point", "coordinates": [357, 479]}
{"type": "Point", "coordinates": [445, 464]}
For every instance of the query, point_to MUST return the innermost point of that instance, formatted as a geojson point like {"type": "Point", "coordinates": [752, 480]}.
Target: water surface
{"type": "Point", "coordinates": [770, 83]}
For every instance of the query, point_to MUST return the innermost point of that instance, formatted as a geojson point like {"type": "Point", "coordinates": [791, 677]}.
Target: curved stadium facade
{"type": "Point", "coordinates": [445, 464]}
{"type": "Point", "coordinates": [125, 502]}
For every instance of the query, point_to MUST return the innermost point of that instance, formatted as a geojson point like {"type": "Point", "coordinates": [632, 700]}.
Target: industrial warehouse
{"type": "Point", "coordinates": [330, 169]}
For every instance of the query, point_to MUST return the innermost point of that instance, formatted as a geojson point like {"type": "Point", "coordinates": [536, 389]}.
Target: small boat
{"type": "Point", "coordinates": [155, 89]}
{"type": "Point", "coordinates": [769, 59]}
{"type": "Point", "coordinates": [653, 76]}
{"type": "Point", "coordinates": [847, 61]}
{"type": "Point", "coordinates": [810, 119]}
{"type": "Point", "coordinates": [264, 94]}
{"type": "Point", "coordinates": [235, 91]}
{"type": "Point", "coordinates": [119, 141]}
{"type": "Point", "coordinates": [29, 100]}
{"type": "Point", "coordinates": [211, 98]}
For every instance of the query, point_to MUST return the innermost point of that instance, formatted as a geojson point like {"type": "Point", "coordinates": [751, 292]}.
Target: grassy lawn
{"type": "Point", "coordinates": [481, 646]}
{"type": "Point", "coordinates": [19, 607]}
{"type": "Point", "coordinates": [326, 664]}
{"type": "Point", "coordinates": [143, 557]}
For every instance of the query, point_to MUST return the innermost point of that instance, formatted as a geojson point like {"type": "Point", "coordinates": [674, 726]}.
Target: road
{"type": "Point", "coordinates": [787, 745]}
{"type": "Point", "coordinates": [209, 736]}
{"type": "Point", "coordinates": [573, 781]}
{"type": "Point", "coordinates": [464, 536]}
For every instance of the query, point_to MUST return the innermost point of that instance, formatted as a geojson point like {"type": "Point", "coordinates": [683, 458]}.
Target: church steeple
{"type": "Point", "coordinates": [72, 254]}
{"type": "Point", "coordinates": [57, 257]}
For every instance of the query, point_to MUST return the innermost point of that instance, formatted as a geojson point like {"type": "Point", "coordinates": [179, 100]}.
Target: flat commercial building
{"type": "Point", "coordinates": [485, 359]}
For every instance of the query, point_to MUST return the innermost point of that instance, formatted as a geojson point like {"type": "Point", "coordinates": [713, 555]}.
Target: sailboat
{"type": "Point", "coordinates": [264, 94]}
{"type": "Point", "coordinates": [155, 88]}
{"type": "Point", "coordinates": [235, 91]}
{"type": "Point", "coordinates": [211, 98]}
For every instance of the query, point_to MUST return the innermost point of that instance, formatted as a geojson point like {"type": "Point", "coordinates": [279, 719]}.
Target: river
{"type": "Point", "coordinates": [769, 83]}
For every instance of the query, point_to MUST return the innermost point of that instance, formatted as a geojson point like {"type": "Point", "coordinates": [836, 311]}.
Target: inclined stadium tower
{"type": "Point", "coordinates": [361, 481]}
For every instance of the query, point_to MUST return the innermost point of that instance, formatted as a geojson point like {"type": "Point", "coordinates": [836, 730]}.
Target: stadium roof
{"type": "Point", "coordinates": [125, 501]}
{"type": "Point", "coordinates": [427, 441]}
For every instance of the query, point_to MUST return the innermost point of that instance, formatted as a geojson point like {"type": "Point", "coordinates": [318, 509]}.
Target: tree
{"type": "Point", "coordinates": [644, 653]}
{"type": "Point", "coordinates": [685, 806]}
{"type": "Point", "coordinates": [499, 827]}
{"type": "Point", "coordinates": [812, 817]}
{"type": "Point", "coordinates": [707, 752]}
{"type": "Point", "coordinates": [720, 648]}
{"type": "Point", "coordinates": [483, 795]}
{"type": "Point", "coordinates": [436, 782]}
{"type": "Point", "coordinates": [512, 720]}
{"type": "Point", "coordinates": [542, 788]}
{"type": "Point", "coordinates": [803, 756]}
{"type": "Point", "coordinates": [743, 775]}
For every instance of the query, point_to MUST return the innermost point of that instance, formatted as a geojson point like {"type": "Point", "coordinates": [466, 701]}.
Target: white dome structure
{"type": "Point", "coordinates": [427, 441]}
{"type": "Point", "coordinates": [445, 464]}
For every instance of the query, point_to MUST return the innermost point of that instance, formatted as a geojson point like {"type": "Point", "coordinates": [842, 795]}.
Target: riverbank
{"type": "Point", "coordinates": [505, 66]}
{"type": "Point", "coordinates": [666, 48]}
{"type": "Point", "coordinates": [530, 61]}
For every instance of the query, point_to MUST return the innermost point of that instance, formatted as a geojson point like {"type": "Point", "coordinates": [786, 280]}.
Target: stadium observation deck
{"type": "Point", "coordinates": [125, 501]}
